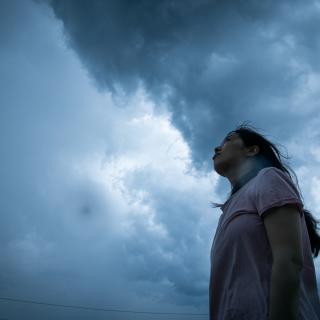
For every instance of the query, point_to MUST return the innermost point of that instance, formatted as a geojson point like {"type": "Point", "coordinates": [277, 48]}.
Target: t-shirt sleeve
{"type": "Point", "coordinates": [275, 188]}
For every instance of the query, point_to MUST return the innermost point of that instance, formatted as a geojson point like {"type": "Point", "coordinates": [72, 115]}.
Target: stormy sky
{"type": "Point", "coordinates": [110, 111]}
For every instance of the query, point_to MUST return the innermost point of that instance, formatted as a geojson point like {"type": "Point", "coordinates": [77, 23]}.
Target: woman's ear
{"type": "Point", "coordinates": [253, 150]}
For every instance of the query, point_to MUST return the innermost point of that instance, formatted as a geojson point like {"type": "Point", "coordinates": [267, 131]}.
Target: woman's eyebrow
{"type": "Point", "coordinates": [228, 136]}
{"type": "Point", "coordinates": [223, 141]}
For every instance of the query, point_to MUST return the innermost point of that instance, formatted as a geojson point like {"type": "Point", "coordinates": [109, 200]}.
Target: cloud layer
{"type": "Point", "coordinates": [215, 63]}
{"type": "Point", "coordinates": [88, 216]}
{"type": "Point", "coordinates": [108, 108]}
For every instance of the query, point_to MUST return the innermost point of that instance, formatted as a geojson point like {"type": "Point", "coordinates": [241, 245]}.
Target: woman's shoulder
{"type": "Point", "coordinates": [268, 169]}
{"type": "Point", "coordinates": [271, 171]}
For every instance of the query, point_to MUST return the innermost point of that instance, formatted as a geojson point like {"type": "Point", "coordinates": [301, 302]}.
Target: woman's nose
{"type": "Point", "coordinates": [217, 149]}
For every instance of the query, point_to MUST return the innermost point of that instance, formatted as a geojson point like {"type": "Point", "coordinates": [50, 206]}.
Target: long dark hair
{"type": "Point", "coordinates": [270, 156]}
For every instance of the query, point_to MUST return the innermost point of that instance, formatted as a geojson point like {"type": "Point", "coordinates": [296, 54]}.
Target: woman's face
{"type": "Point", "coordinates": [229, 154]}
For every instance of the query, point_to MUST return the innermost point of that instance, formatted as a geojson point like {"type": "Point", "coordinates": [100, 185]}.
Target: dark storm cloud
{"type": "Point", "coordinates": [72, 236]}
{"type": "Point", "coordinates": [67, 234]}
{"type": "Point", "coordinates": [217, 63]}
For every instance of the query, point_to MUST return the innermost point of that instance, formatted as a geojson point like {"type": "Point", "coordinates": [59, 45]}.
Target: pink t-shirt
{"type": "Point", "coordinates": [241, 256]}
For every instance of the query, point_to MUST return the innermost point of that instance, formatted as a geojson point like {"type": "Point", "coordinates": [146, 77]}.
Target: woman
{"type": "Point", "coordinates": [261, 257]}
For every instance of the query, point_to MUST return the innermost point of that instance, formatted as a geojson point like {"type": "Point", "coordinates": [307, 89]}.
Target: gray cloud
{"type": "Point", "coordinates": [143, 242]}
{"type": "Point", "coordinates": [65, 237]}
{"type": "Point", "coordinates": [216, 63]}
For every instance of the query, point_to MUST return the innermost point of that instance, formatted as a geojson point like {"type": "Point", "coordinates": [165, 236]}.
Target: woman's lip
{"type": "Point", "coordinates": [215, 155]}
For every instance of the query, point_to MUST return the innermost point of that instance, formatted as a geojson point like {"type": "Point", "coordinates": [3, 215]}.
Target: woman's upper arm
{"type": "Point", "coordinates": [278, 203]}
{"type": "Point", "coordinates": [283, 227]}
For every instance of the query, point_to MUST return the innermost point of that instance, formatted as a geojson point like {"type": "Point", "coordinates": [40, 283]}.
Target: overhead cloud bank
{"type": "Point", "coordinates": [101, 205]}
{"type": "Point", "coordinates": [98, 205]}
{"type": "Point", "coordinates": [215, 63]}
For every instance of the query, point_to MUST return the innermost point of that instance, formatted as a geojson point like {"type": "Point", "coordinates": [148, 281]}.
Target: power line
{"type": "Point", "coordinates": [98, 309]}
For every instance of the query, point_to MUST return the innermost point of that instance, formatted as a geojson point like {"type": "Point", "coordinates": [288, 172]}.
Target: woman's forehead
{"type": "Point", "coordinates": [230, 135]}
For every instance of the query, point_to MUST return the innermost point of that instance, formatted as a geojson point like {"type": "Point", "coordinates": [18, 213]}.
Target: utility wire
{"type": "Point", "coordinates": [98, 309]}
